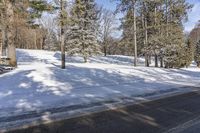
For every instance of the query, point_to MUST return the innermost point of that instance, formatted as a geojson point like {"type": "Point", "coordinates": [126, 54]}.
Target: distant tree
{"type": "Point", "coordinates": [49, 23]}
{"type": "Point", "coordinates": [107, 28]}
{"type": "Point", "coordinates": [35, 11]}
{"type": "Point", "coordinates": [195, 34]}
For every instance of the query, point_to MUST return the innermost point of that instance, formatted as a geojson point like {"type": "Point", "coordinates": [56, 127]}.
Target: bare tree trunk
{"type": "Point", "coordinates": [146, 60]}
{"type": "Point", "coordinates": [62, 35]}
{"type": "Point", "coordinates": [11, 34]}
{"type": "Point", "coordinates": [155, 21]}
{"type": "Point", "coordinates": [149, 57]}
{"type": "Point", "coordinates": [1, 44]}
{"type": "Point", "coordinates": [161, 61]}
{"type": "Point", "coordinates": [146, 42]}
{"type": "Point", "coordinates": [144, 24]}
{"type": "Point", "coordinates": [167, 27]}
{"type": "Point", "coordinates": [42, 43]}
{"type": "Point", "coordinates": [3, 33]}
{"type": "Point", "coordinates": [135, 36]}
{"type": "Point", "coordinates": [105, 49]}
{"type": "Point", "coordinates": [1, 37]}
{"type": "Point", "coordinates": [198, 64]}
{"type": "Point", "coordinates": [156, 60]}
{"type": "Point", "coordinates": [167, 20]}
{"type": "Point", "coordinates": [85, 59]}
{"type": "Point", "coordinates": [35, 39]}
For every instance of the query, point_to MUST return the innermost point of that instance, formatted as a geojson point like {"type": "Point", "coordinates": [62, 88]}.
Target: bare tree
{"type": "Point", "coordinates": [49, 23]}
{"type": "Point", "coordinates": [108, 22]}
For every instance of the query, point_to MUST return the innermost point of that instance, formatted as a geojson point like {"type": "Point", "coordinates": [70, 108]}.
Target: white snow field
{"type": "Point", "coordinates": [39, 85]}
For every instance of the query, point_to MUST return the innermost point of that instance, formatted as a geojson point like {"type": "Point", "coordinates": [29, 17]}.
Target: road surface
{"type": "Point", "coordinates": [164, 115]}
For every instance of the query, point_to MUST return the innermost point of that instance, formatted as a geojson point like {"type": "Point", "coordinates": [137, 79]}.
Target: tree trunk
{"type": "Point", "coordinates": [85, 59]}
{"type": "Point", "coordinates": [42, 43]}
{"type": "Point", "coordinates": [198, 65]}
{"type": "Point", "coordinates": [156, 60]}
{"type": "Point", "coordinates": [167, 20]}
{"type": "Point", "coordinates": [1, 44]}
{"type": "Point", "coordinates": [161, 61]}
{"type": "Point", "coordinates": [4, 41]}
{"type": "Point", "coordinates": [105, 49]}
{"type": "Point", "coordinates": [62, 35]}
{"type": "Point", "coordinates": [12, 55]}
{"type": "Point", "coordinates": [135, 36]}
{"type": "Point", "coordinates": [149, 57]}
{"type": "Point", "coordinates": [146, 60]}
{"type": "Point", "coordinates": [146, 42]}
{"type": "Point", "coordinates": [11, 34]}
{"type": "Point", "coordinates": [35, 39]}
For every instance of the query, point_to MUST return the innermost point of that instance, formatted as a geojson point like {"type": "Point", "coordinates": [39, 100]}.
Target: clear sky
{"type": "Point", "coordinates": [194, 14]}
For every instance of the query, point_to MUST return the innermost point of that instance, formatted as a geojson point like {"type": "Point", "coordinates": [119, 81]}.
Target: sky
{"type": "Point", "coordinates": [193, 16]}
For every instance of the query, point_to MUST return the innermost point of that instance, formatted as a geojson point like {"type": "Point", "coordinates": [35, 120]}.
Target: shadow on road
{"type": "Point", "coordinates": [151, 117]}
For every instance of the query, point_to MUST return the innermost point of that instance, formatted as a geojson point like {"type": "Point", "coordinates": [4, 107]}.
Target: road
{"type": "Point", "coordinates": [164, 115]}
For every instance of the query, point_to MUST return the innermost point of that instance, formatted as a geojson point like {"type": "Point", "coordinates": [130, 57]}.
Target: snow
{"type": "Point", "coordinates": [38, 83]}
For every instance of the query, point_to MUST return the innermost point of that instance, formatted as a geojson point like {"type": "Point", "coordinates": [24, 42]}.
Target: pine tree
{"type": "Point", "coordinates": [174, 42]}
{"type": "Point", "coordinates": [173, 51]}
{"type": "Point", "coordinates": [127, 35]}
{"type": "Point", "coordinates": [189, 53]}
{"type": "Point", "coordinates": [159, 29]}
{"type": "Point", "coordinates": [197, 54]}
{"type": "Point", "coordinates": [83, 33]}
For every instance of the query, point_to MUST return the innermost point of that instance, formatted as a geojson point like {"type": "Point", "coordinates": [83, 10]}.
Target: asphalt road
{"type": "Point", "coordinates": [157, 116]}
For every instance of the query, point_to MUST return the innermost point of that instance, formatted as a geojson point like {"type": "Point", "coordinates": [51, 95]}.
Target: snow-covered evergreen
{"type": "Point", "coordinates": [197, 54]}
{"type": "Point", "coordinates": [82, 39]}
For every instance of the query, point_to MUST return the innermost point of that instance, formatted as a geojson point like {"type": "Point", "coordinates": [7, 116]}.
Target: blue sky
{"type": "Point", "coordinates": [194, 14]}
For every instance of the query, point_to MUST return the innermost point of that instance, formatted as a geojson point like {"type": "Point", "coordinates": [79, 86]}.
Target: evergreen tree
{"type": "Point", "coordinates": [83, 33]}
{"type": "Point", "coordinates": [174, 49]}
{"type": "Point", "coordinates": [127, 35]}
{"type": "Point", "coordinates": [197, 54]}
{"type": "Point", "coordinates": [174, 44]}
{"type": "Point", "coordinates": [189, 53]}
{"type": "Point", "coordinates": [159, 29]}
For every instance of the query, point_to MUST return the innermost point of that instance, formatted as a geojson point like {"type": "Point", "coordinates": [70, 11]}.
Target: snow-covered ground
{"type": "Point", "coordinates": [38, 83]}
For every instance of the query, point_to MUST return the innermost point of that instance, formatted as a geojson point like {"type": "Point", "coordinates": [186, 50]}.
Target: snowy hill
{"type": "Point", "coordinates": [39, 84]}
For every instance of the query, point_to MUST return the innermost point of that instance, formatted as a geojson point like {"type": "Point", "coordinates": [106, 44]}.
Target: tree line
{"type": "Point", "coordinates": [150, 29]}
